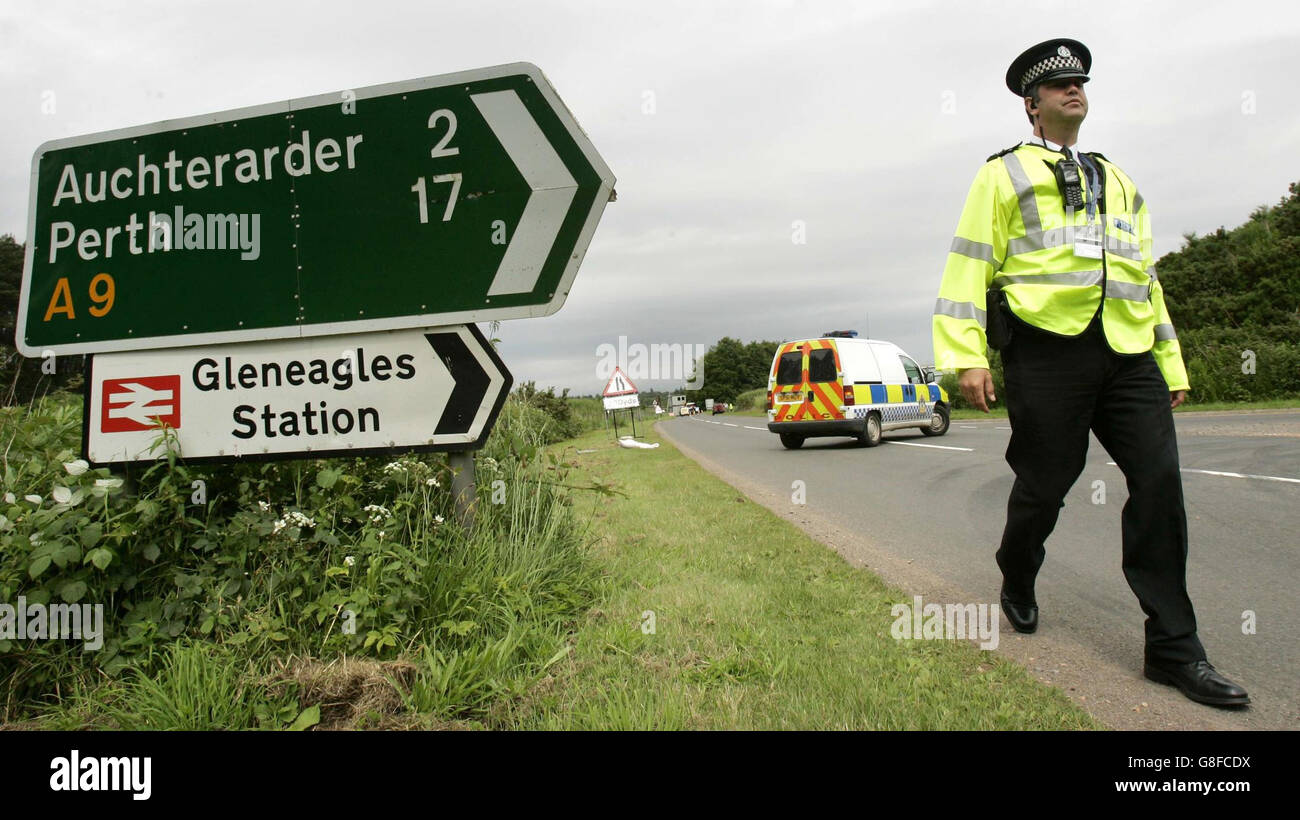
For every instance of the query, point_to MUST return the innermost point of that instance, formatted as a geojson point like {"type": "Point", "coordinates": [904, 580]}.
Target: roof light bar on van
{"type": "Point", "coordinates": [840, 334]}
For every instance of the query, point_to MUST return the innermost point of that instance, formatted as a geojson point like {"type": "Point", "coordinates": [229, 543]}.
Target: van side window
{"type": "Point", "coordinates": [821, 365]}
{"type": "Point", "coordinates": [790, 369]}
{"type": "Point", "coordinates": [913, 372]}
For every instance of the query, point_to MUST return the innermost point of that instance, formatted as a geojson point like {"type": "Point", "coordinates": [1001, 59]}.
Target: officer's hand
{"type": "Point", "coordinates": [1176, 398]}
{"type": "Point", "coordinates": [976, 384]}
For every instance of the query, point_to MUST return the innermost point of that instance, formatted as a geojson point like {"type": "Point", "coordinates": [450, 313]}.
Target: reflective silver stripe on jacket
{"type": "Point", "coordinates": [1121, 248]}
{"type": "Point", "coordinates": [1081, 278]}
{"type": "Point", "coordinates": [1123, 290]}
{"type": "Point", "coordinates": [974, 250]}
{"type": "Point", "coordinates": [1036, 241]}
{"type": "Point", "coordinates": [1165, 333]}
{"type": "Point", "coordinates": [960, 310]}
{"type": "Point", "coordinates": [1056, 237]}
{"type": "Point", "coordinates": [1025, 193]}
{"type": "Point", "coordinates": [1151, 271]}
{"type": "Point", "coordinates": [1137, 202]}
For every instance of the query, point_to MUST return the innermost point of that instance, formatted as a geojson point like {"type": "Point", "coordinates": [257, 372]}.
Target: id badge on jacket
{"type": "Point", "coordinates": [1087, 241]}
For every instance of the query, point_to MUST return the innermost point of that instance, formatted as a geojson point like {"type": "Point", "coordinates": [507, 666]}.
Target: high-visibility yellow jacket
{"type": "Point", "coordinates": [1015, 233]}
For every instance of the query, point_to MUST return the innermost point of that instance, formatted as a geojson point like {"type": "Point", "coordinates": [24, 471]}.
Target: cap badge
{"type": "Point", "coordinates": [1063, 51]}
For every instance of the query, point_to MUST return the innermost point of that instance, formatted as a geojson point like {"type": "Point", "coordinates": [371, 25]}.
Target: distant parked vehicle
{"type": "Point", "coordinates": [719, 407]}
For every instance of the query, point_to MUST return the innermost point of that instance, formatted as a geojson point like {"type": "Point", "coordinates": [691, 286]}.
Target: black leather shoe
{"type": "Point", "coordinates": [1199, 681]}
{"type": "Point", "coordinates": [1023, 617]}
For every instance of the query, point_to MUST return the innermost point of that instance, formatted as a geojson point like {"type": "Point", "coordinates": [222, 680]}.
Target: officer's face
{"type": "Point", "coordinates": [1062, 101]}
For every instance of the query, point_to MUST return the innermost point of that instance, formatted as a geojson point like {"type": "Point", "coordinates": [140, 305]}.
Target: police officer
{"type": "Point", "coordinates": [1052, 264]}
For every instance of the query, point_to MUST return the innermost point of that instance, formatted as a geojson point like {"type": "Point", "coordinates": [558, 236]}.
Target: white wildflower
{"type": "Point", "coordinates": [437, 519]}
{"type": "Point", "coordinates": [61, 494]}
{"type": "Point", "coordinates": [299, 520]}
{"type": "Point", "coordinates": [349, 561]}
{"type": "Point", "coordinates": [432, 482]}
{"type": "Point", "coordinates": [264, 506]}
{"type": "Point", "coordinates": [378, 513]}
{"type": "Point", "coordinates": [77, 467]}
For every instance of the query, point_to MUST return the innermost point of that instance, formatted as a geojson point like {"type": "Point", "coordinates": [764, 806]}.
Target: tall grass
{"type": "Point", "coordinates": [588, 413]}
{"type": "Point", "coordinates": [201, 602]}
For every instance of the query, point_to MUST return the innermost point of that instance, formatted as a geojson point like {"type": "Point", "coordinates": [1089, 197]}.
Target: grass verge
{"type": "Point", "coordinates": [717, 614]}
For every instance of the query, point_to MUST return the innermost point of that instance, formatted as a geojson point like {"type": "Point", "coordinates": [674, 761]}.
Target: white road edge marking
{"type": "Point", "coordinates": [934, 446]}
{"type": "Point", "coordinates": [747, 427]}
{"type": "Point", "coordinates": [1231, 475]}
{"type": "Point", "coordinates": [729, 424]}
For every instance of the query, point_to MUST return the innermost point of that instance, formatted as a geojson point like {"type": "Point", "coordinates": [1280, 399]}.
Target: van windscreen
{"type": "Point", "coordinates": [789, 370]}
{"type": "Point", "coordinates": [821, 365]}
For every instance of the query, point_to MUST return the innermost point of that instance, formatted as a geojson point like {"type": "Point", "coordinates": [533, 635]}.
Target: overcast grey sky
{"type": "Point", "coordinates": [726, 124]}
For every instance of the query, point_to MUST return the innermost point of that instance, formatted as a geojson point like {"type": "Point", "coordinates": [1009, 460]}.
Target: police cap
{"type": "Point", "coordinates": [1050, 60]}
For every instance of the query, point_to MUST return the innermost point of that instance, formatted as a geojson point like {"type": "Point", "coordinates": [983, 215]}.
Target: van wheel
{"type": "Point", "coordinates": [791, 441]}
{"type": "Point", "coordinates": [870, 435]}
{"type": "Point", "coordinates": [938, 422]}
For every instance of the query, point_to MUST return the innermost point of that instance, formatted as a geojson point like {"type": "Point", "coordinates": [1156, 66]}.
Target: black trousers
{"type": "Point", "coordinates": [1057, 389]}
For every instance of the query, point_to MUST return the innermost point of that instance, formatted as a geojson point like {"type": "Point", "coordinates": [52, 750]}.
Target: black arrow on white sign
{"type": "Point", "coordinates": [480, 377]}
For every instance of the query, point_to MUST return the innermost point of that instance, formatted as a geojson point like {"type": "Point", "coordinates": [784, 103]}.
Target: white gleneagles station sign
{"type": "Point", "coordinates": [424, 389]}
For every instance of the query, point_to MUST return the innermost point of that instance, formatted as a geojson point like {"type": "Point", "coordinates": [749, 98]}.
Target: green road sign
{"type": "Point", "coordinates": [461, 198]}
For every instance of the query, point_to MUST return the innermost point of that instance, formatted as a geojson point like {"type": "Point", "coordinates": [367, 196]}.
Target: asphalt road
{"type": "Point", "coordinates": [937, 506]}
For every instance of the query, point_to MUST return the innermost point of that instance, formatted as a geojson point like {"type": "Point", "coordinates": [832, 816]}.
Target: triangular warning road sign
{"type": "Point", "coordinates": [619, 385]}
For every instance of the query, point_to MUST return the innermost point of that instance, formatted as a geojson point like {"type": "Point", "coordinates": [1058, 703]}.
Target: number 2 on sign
{"type": "Point", "coordinates": [421, 195]}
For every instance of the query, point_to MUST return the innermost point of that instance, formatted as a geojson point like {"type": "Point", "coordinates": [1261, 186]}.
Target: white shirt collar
{"type": "Point", "coordinates": [1053, 146]}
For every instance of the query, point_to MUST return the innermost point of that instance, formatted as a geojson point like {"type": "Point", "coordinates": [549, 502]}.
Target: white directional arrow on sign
{"type": "Point", "coordinates": [552, 184]}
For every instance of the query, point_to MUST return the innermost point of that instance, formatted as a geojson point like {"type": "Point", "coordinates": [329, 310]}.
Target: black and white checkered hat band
{"type": "Point", "coordinates": [1053, 63]}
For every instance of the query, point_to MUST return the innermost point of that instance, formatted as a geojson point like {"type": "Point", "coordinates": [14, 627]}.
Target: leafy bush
{"type": "Point", "coordinates": [752, 400]}
{"type": "Point", "coordinates": [1220, 361]}
{"type": "Point", "coordinates": [304, 558]}
{"type": "Point", "coordinates": [562, 424]}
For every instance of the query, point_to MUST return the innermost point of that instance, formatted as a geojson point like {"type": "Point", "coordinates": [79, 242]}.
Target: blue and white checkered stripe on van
{"type": "Point", "coordinates": [889, 412]}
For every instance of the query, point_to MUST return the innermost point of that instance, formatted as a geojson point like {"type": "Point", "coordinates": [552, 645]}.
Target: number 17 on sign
{"type": "Point", "coordinates": [421, 194]}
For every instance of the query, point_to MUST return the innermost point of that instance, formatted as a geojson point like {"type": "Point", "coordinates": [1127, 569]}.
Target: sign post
{"type": "Point", "coordinates": [620, 394]}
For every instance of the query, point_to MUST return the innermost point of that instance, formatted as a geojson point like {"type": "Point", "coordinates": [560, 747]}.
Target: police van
{"type": "Point", "coordinates": [839, 385]}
